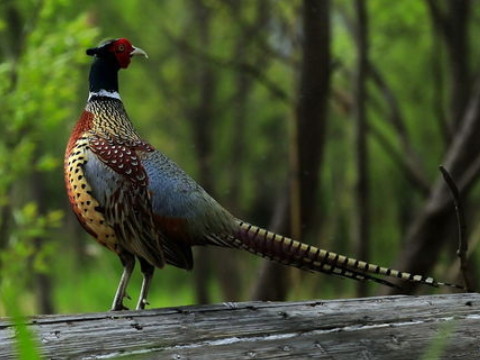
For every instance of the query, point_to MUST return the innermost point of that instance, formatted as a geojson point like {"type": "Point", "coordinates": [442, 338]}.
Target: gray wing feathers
{"type": "Point", "coordinates": [176, 195]}
{"type": "Point", "coordinates": [127, 210]}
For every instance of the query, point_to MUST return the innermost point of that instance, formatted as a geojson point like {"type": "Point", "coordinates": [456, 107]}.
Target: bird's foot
{"type": "Point", "coordinates": [142, 303]}
{"type": "Point", "coordinates": [119, 307]}
{"type": "Point", "coordinates": [118, 303]}
{"type": "Point", "coordinates": [230, 305]}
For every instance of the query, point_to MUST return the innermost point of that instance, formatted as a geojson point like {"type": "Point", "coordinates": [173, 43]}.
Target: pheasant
{"type": "Point", "coordinates": [139, 204]}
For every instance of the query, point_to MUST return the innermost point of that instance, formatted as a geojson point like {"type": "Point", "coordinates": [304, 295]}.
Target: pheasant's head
{"type": "Point", "coordinates": [119, 51]}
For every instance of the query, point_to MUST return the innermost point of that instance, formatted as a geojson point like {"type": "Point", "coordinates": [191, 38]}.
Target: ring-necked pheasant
{"type": "Point", "coordinates": [139, 204]}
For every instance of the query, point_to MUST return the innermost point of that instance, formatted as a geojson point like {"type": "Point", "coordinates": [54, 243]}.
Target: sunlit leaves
{"type": "Point", "coordinates": [48, 162]}
{"type": "Point", "coordinates": [38, 94]}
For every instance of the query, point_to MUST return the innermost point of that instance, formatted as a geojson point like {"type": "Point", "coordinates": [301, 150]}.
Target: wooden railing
{"type": "Point", "coordinates": [394, 327]}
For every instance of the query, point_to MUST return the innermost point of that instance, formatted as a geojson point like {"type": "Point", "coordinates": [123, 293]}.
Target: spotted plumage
{"type": "Point", "coordinates": [79, 191]}
{"type": "Point", "coordinates": [139, 204]}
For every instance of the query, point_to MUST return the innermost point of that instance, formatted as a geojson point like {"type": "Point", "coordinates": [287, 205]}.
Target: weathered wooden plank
{"type": "Point", "coordinates": [396, 327]}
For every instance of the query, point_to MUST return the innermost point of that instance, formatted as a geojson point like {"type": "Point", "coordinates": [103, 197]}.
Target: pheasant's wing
{"type": "Point", "coordinates": [119, 184]}
{"type": "Point", "coordinates": [183, 210]}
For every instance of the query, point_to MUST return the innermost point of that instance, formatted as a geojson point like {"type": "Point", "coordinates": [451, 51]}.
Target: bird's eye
{"type": "Point", "coordinates": [121, 48]}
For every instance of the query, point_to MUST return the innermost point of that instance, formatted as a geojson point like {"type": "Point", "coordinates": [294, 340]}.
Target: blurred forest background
{"type": "Point", "coordinates": [323, 120]}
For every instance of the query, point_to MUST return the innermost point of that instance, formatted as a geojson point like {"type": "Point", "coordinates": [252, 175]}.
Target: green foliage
{"type": "Point", "coordinates": [438, 346]}
{"type": "Point", "coordinates": [26, 344]}
{"type": "Point", "coordinates": [39, 94]}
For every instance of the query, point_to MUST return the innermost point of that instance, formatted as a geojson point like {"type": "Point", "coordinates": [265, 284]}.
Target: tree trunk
{"type": "Point", "coordinates": [362, 200]}
{"type": "Point", "coordinates": [313, 94]}
{"type": "Point", "coordinates": [43, 282]}
{"type": "Point", "coordinates": [243, 86]}
{"type": "Point", "coordinates": [307, 144]}
{"type": "Point", "coordinates": [201, 116]}
{"type": "Point", "coordinates": [228, 267]}
{"type": "Point", "coordinates": [452, 24]}
{"type": "Point", "coordinates": [457, 47]}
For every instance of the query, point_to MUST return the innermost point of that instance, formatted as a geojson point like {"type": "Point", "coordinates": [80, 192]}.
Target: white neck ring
{"type": "Point", "coordinates": [104, 93]}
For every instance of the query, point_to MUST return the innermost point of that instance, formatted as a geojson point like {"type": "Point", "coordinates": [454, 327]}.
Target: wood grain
{"type": "Point", "coordinates": [394, 327]}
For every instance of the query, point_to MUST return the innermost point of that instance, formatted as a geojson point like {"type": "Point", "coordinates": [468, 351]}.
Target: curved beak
{"type": "Point", "coordinates": [138, 51]}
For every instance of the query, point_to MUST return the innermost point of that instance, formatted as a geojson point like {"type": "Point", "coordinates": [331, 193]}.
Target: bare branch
{"type": "Point", "coordinates": [413, 164]}
{"type": "Point", "coordinates": [414, 173]}
{"type": "Point", "coordinates": [462, 242]}
{"type": "Point", "coordinates": [246, 68]}
{"type": "Point", "coordinates": [402, 162]}
{"type": "Point", "coordinates": [410, 161]}
{"type": "Point", "coordinates": [427, 234]}
{"type": "Point", "coordinates": [253, 32]}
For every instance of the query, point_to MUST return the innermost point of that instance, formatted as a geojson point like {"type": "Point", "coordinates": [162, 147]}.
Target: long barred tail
{"type": "Point", "coordinates": [290, 252]}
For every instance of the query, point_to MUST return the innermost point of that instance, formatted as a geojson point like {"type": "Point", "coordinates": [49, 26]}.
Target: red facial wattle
{"type": "Point", "coordinates": [122, 48]}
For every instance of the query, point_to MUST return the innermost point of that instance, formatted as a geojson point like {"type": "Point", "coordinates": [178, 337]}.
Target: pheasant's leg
{"type": "Point", "coordinates": [128, 262]}
{"type": "Point", "coordinates": [147, 271]}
